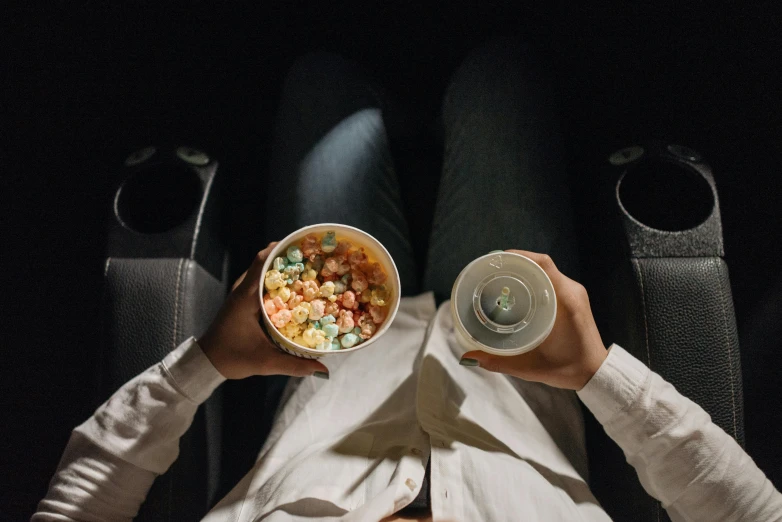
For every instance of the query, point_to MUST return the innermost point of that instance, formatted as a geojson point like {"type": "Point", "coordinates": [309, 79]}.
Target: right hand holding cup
{"type": "Point", "coordinates": [572, 352]}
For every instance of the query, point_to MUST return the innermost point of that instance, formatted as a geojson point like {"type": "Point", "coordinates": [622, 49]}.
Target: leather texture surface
{"type": "Point", "coordinates": [151, 306]}
{"type": "Point", "coordinates": [690, 333]}
{"type": "Point", "coordinates": [676, 315]}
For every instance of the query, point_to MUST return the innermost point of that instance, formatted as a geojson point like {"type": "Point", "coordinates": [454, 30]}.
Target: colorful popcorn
{"type": "Point", "coordinates": [326, 294]}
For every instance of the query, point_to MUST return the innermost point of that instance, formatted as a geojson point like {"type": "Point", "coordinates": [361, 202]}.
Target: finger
{"type": "Point", "coordinates": [543, 260]}
{"type": "Point", "coordinates": [482, 359]}
{"type": "Point", "coordinates": [239, 281]}
{"type": "Point", "coordinates": [251, 279]}
{"type": "Point", "coordinates": [285, 364]}
{"type": "Point", "coordinates": [514, 365]}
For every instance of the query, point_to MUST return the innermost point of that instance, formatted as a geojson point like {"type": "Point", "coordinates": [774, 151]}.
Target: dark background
{"type": "Point", "coordinates": [85, 85]}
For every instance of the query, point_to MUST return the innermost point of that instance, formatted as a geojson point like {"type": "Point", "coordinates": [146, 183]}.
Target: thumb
{"type": "Point", "coordinates": [282, 363]}
{"type": "Point", "coordinates": [487, 361]}
{"type": "Point", "coordinates": [251, 280]}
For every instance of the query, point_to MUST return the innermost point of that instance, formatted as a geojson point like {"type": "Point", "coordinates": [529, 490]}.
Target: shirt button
{"type": "Point", "coordinates": [416, 451]}
{"type": "Point", "coordinates": [410, 483]}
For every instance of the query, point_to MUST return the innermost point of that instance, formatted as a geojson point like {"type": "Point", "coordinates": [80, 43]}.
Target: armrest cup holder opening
{"type": "Point", "coordinates": [666, 196]}
{"type": "Point", "coordinates": [168, 207]}
{"type": "Point", "coordinates": [668, 207]}
{"type": "Point", "coordinates": [158, 198]}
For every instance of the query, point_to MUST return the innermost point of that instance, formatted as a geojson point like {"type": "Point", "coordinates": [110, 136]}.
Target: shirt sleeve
{"type": "Point", "coordinates": [684, 460]}
{"type": "Point", "coordinates": [112, 459]}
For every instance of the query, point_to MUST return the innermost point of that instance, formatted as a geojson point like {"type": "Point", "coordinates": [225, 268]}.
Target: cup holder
{"type": "Point", "coordinates": [666, 196]}
{"type": "Point", "coordinates": [158, 198]}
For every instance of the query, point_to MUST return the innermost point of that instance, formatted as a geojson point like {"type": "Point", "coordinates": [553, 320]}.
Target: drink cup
{"type": "Point", "coordinates": [504, 304]}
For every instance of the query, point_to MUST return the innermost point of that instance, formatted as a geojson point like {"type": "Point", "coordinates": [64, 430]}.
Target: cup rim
{"type": "Point", "coordinates": [283, 243]}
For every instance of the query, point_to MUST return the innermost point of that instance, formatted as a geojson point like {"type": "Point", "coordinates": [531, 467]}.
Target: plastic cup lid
{"type": "Point", "coordinates": [504, 303]}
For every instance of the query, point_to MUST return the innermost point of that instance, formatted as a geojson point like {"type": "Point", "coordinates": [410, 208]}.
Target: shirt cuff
{"type": "Point", "coordinates": [615, 385]}
{"type": "Point", "coordinates": [192, 372]}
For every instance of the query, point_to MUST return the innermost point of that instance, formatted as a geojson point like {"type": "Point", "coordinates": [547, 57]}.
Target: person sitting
{"type": "Point", "coordinates": [414, 427]}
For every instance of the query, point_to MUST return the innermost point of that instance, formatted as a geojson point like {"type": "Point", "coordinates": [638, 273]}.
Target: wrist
{"type": "Point", "coordinates": [596, 356]}
{"type": "Point", "coordinates": [211, 351]}
{"type": "Point", "coordinates": [192, 372]}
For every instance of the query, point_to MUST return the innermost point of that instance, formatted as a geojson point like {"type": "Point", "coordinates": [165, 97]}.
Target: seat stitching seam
{"type": "Point", "coordinates": [643, 307]}
{"type": "Point", "coordinates": [176, 302]}
{"type": "Point", "coordinates": [727, 346]}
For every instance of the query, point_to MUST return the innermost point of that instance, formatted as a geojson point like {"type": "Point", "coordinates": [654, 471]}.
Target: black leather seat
{"type": "Point", "coordinates": [658, 241]}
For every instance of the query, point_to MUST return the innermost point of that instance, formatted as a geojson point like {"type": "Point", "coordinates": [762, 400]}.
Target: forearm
{"type": "Point", "coordinates": [113, 458]}
{"type": "Point", "coordinates": [684, 460]}
{"type": "Point", "coordinates": [92, 484]}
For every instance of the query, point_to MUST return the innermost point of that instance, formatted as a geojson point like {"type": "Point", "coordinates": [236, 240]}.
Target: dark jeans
{"type": "Point", "coordinates": [503, 179]}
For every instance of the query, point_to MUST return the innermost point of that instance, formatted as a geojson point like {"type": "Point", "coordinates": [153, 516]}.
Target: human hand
{"type": "Point", "coordinates": [235, 343]}
{"type": "Point", "coordinates": [572, 352]}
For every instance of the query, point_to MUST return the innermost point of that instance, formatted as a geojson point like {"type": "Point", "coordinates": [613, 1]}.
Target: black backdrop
{"type": "Point", "coordinates": [85, 84]}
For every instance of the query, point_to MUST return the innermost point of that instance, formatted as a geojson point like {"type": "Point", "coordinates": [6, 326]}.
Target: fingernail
{"type": "Point", "coordinates": [321, 375]}
{"type": "Point", "coordinates": [466, 361]}
{"type": "Point", "coordinates": [497, 252]}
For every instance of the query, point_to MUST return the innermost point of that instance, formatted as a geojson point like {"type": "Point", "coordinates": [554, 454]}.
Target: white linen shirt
{"type": "Point", "coordinates": [355, 447]}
